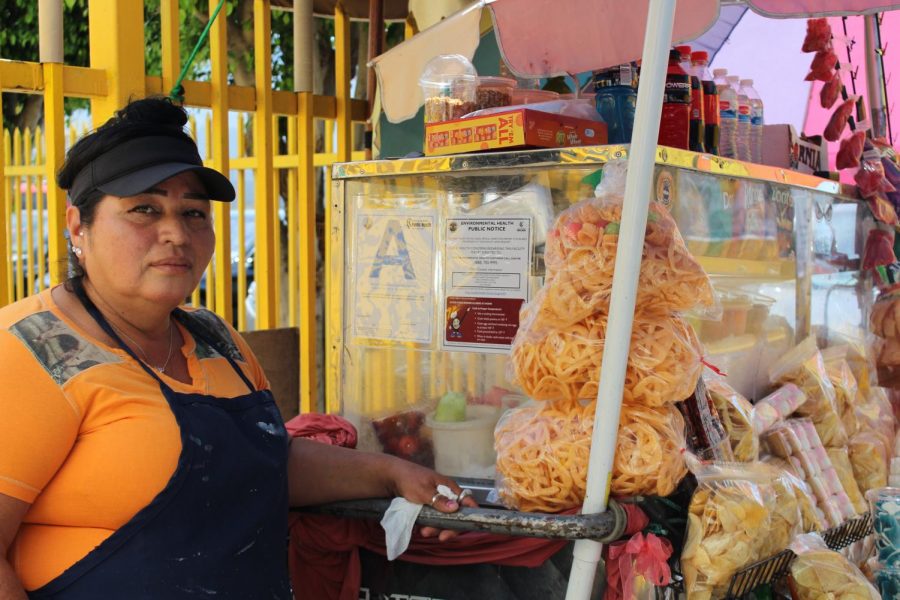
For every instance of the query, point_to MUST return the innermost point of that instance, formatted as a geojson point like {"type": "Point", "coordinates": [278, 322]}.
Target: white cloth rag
{"type": "Point", "coordinates": [399, 519]}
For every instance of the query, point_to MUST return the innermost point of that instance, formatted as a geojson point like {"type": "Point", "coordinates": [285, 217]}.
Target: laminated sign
{"type": "Point", "coordinates": [394, 283]}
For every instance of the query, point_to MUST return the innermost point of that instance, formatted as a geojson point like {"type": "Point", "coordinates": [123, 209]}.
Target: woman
{"type": "Point", "coordinates": [142, 454]}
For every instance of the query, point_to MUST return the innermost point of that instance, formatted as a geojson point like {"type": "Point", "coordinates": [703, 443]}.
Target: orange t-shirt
{"type": "Point", "coordinates": [87, 437]}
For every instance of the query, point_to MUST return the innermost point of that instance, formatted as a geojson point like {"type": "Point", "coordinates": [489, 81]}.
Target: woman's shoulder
{"type": "Point", "coordinates": [24, 308]}
{"type": "Point", "coordinates": [214, 336]}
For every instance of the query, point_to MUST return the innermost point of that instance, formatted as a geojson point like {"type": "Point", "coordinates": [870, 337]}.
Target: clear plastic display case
{"type": "Point", "coordinates": [430, 260]}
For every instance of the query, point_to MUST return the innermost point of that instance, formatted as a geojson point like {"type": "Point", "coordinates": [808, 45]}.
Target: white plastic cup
{"type": "Point", "coordinates": [465, 448]}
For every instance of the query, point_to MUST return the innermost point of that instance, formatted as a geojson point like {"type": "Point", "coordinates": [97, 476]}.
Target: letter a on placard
{"type": "Point", "coordinates": [393, 233]}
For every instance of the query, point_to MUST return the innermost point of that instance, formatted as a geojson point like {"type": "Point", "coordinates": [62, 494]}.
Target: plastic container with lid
{"type": "Point", "coordinates": [523, 96]}
{"type": "Point", "coordinates": [449, 85]}
{"type": "Point", "coordinates": [465, 448]}
{"type": "Point", "coordinates": [492, 92]}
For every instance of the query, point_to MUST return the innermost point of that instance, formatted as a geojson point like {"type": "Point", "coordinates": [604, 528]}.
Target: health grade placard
{"type": "Point", "coordinates": [487, 264]}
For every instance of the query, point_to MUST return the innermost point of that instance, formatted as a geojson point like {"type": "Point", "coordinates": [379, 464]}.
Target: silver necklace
{"type": "Point", "coordinates": [161, 369]}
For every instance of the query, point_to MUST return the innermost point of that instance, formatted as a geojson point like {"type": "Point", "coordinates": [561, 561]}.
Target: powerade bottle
{"type": "Point", "coordinates": [756, 120]}
{"type": "Point", "coordinates": [697, 131]}
{"type": "Point", "coordinates": [728, 114]}
{"type": "Point", "coordinates": [615, 91]}
{"type": "Point", "coordinates": [700, 68]}
{"type": "Point", "coordinates": [742, 134]}
{"type": "Point", "coordinates": [675, 125]}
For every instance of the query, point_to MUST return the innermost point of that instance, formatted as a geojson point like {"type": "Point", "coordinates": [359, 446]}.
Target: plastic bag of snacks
{"type": "Point", "coordinates": [543, 448]}
{"type": "Point", "coordinates": [845, 387]}
{"type": "Point", "coordinates": [728, 519]}
{"type": "Point", "coordinates": [811, 518]}
{"type": "Point", "coordinates": [804, 367]}
{"type": "Point", "coordinates": [776, 407]}
{"type": "Point", "coordinates": [840, 460]}
{"type": "Point", "coordinates": [735, 412]}
{"type": "Point", "coordinates": [869, 460]}
{"type": "Point", "coordinates": [818, 573]}
{"type": "Point", "coordinates": [884, 504]}
{"type": "Point", "coordinates": [564, 363]}
{"type": "Point", "coordinates": [580, 256]}
{"type": "Point", "coordinates": [876, 415]}
{"type": "Point", "coordinates": [786, 519]}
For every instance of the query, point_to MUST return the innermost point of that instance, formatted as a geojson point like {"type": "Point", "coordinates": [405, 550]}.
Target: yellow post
{"type": "Point", "coordinates": [217, 132]}
{"type": "Point", "coordinates": [5, 279]}
{"type": "Point", "coordinates": [265, 270]}
{"type": "Point", "coordinates": [40, 151]}
{"type": "Point", "coordinates": [17, 211]}
{"type": "Point", "coordinates": [55, 132]}
{"type": "Point", "coordinates": [28, 215]}
{"type": "Point", "coordinates": [241, 232]}
{"type": "Point", "coordinates": [117, 46]}
{"type": "Point", "coordinates": [307, 263]}
{"type": "Point", "coordinates": [342, 83]}
{"type": "Point", "coordinates": [294, 233]}
{"type": "Point", "coordinates": [171, 61]}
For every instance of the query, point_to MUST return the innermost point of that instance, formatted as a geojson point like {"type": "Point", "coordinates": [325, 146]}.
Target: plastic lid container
{"type": "Point", "coordinates": [449, 83]}
{"type": "Point", "coordinates": [521, 96]}
{"type": "Point", "coordinates": [465, 448]}
{"type": "Point", "coordinates": [493, 91]}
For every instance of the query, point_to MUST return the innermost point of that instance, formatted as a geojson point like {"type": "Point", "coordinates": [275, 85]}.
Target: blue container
{"type": "Point", "coordinates": [616, 93]}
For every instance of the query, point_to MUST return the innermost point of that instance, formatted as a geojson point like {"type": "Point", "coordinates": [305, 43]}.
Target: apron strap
{"type": "Point", "coordinates": [179, 314]}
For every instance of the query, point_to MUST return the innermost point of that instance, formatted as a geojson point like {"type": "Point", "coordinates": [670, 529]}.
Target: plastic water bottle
{"type": "Point", "coordinates": [728, 109]}
{"type": "Point", "coordinates": [700, 68]}
{"type": "Point", "coordinates": [756, 120]}
{"type": "Point", "coordinates": [742, 133]}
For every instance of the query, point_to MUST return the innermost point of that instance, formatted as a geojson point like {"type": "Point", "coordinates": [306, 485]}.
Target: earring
{"type": "Point", "coordinates": [77, 251]}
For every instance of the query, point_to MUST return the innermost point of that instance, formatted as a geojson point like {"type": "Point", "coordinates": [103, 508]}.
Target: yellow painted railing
{"type": "Point", "coordinates": [271, 225]}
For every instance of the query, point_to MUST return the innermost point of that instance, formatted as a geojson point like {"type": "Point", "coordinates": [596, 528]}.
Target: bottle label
{"type": "Point", "coordinates": [696, 104]}
{"type": "Point", "coordinates": [725, 105]}
{"type": "Point", "coordinates": [711, 108]}
{"type": "Point", "coordinates": [744, 113]}
{"type": "Point", "coordinates": [756, 120]}
{"type": "Point", "coordinates": [675, 125]}
{"type": "Point", "coordinates": [678, 89]}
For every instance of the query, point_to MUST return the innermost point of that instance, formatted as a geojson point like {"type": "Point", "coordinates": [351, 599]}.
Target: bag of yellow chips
{"type": "Point", "coordinates": [869, 460]}
{"type": "Point", "coordinates": [735, 412]}
{"type": "Point", "coordinates": [845, 386]}
{"type": "Point", "coordinates": [785, 519]}
{"type": "Point", "coordinates": [728, 521]}
{"type": "Point", "coordinates": [804, 367]}
{"type": "Point", "coordinates": [840, 460]}
{"type": "Point", "coordinates": [819, 573]}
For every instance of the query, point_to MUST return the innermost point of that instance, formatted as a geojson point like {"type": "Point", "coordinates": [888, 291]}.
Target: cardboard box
{"type": "Point", "coordinates": [782, 147]}
{"type": "Point", "coordinates": [518, 128]}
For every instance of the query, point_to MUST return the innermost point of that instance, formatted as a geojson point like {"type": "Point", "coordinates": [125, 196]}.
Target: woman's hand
{"type": "Point", "coordinates": [419, 485]}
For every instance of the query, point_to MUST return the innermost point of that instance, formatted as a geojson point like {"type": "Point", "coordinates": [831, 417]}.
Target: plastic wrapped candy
{"type": "Point", "coordinates": [839, 118]}
{"type": "Point", "coordinates": [884, 504]}
{"type": "Point", "coordinates": [564, 363]}
{"type": "Point", "coordinates": [840, 460]}
{"type": "Point", "coordinates": [776, 407]}
{"type": "Point", "coordinates": [818, 35]}
{"type": "Point", "coordinates": [542, 454]}
{"type": "Point", "coordinates": [851, 148]}
{"type": "Point", "coordinates": [735, 413]}
{"type": "Point", "coordinates": [581, 251]}
{"type": "Point", "coordinates": [869, 460]}
{"type": "Point", "coordinates": [829, 95]}
{"type": "Point", "coordinates": [818, 573]}
{"type": "Point", "coordinates": [804, 367]}
{"type": "Point", "coordinates": [727, 520]}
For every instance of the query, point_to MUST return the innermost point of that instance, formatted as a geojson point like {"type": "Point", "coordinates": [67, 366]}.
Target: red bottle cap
{"type": "Point", "coordinates": [684, 50]}
{"type": "Point", "coordinates": [700, 55]}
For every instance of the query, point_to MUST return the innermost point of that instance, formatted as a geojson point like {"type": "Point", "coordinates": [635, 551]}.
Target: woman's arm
{"type": "Point", "coordinates": [319, 473]}
{"type": "Point", "coordinates": [12, 511]}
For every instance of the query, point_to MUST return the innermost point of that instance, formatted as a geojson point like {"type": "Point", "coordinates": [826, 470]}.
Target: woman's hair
{"type": "Point", "coordinates": [152, 116]}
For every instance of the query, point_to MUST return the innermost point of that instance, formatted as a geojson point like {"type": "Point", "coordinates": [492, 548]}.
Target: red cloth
{"type": "Point", "coordinates": [328, 429]}
{"type": "Point", "coordinates": [324, 550]}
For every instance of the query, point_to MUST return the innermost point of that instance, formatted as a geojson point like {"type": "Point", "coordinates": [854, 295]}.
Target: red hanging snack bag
{"type": "Point", "coordinates": [871, 180]}
{"type": "Point", "coordinates": [831, 90]}
{"type": "Point", "coordinates": [818, 35]}
{"type": "Point", "coordinates": [822, 67]}
{"type": "Point", "coordinates": [851, 150]}
{"type": "Point", "coordinates": [838, 120]}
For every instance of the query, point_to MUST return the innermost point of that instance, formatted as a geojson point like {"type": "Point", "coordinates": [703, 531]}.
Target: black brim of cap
{"type": "Point", "coordinates": [218, 187]}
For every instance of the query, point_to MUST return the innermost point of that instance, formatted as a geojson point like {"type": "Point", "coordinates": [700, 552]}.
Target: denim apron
{"type": "Point", "coordinates": [219, 527]}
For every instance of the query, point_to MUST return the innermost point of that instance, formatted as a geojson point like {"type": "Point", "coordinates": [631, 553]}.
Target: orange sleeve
{"type": "Point", "coordinates": [254, 370]}
{"type": "Point", "coordinates": [38, 423]}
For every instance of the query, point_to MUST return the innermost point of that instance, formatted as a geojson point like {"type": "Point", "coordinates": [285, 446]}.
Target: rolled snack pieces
{"type": "Point", "coordinates": [819, 573]}
{"type": "Point", "coordinates": [735, 412]}
{"type": "Point", "coordinates": [804, 367]}
{"type": "Point", "coordinates": [728, 517]}
{"type": "Point", "coordinates": [580, 256]}
{"type": "Point", "coordinates": [564, 363]}
{"type": "Point", "coordinates": [776, 407]}
{"type": "Point", "coordinates": [840, 460]}
{"type": "Point", "coordinates": [542, 454]}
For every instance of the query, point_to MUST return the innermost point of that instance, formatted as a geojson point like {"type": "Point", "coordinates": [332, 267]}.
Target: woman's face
{"type": "Point", "coordinates": [153, 246]}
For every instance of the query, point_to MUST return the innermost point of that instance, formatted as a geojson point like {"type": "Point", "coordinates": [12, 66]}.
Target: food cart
{"type": "Point", "coordinates": [432, 258]}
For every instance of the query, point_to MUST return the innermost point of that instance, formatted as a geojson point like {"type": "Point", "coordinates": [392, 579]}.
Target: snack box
{"type": "Point", "coordinates": [782, 147]}
{"type": "Point", "coordinates": [507, 130]}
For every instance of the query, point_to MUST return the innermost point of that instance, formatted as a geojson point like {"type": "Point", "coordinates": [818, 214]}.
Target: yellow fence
{"type": "Point", "coordinates": [281, 236]}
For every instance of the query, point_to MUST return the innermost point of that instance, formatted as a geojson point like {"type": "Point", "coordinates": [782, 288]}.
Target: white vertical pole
{"type": "Point", "coordinates": [641, 161]}
{"type": "Point", "coordinates": [875, 77]}
{"type": "Point", "coordinates": [50, 30]}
